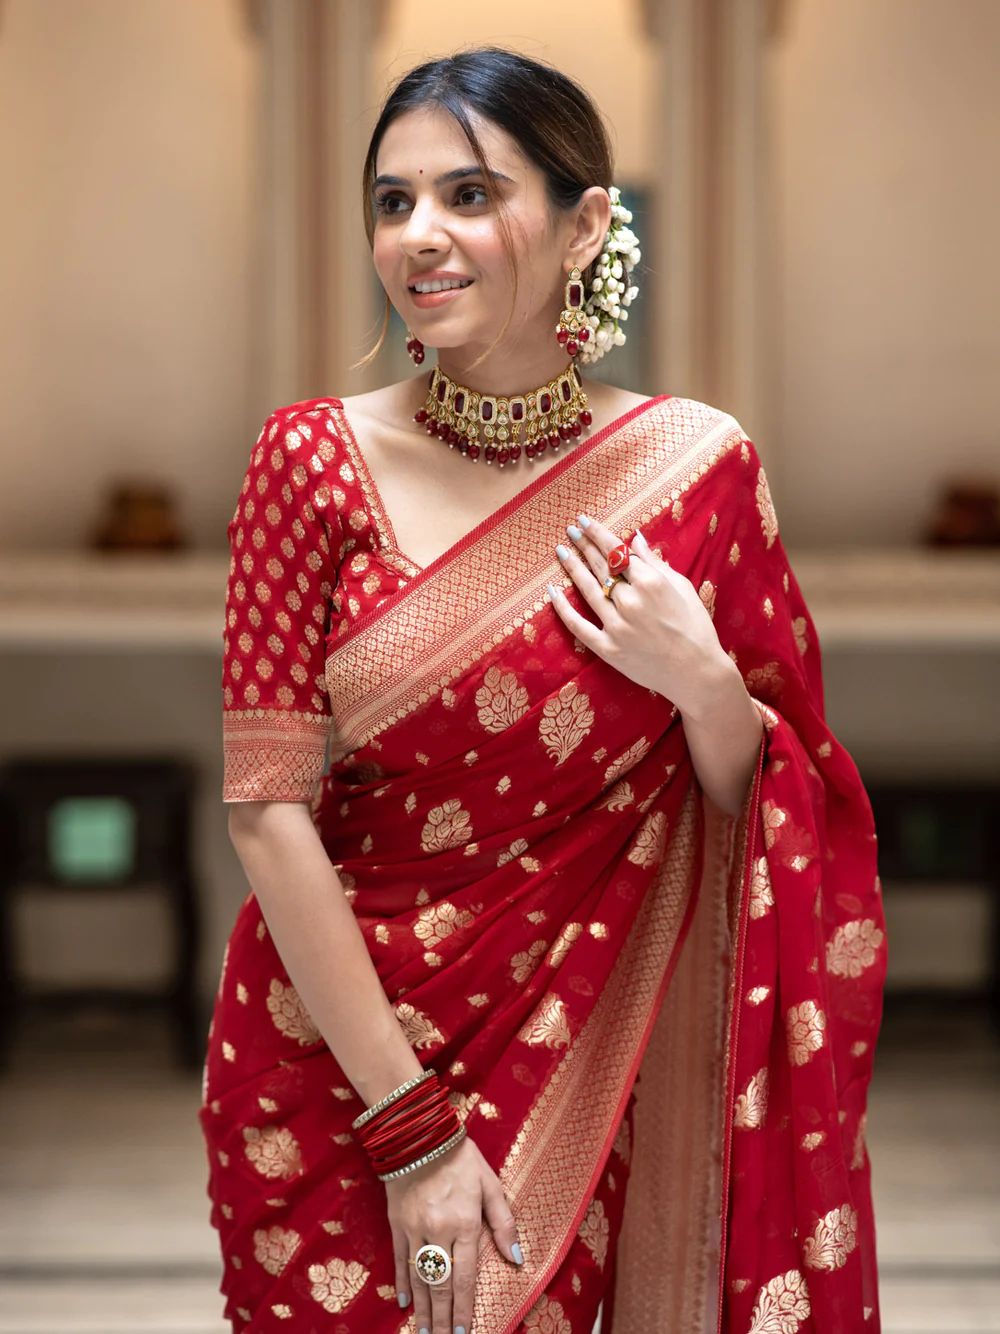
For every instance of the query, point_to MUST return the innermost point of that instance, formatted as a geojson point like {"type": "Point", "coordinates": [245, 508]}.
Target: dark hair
{"type": "Point", "coordinates": [552, 119]}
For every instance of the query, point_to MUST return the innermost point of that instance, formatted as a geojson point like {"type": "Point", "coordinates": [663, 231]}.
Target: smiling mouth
{"type": "Point", "coordinates": [434, 291]}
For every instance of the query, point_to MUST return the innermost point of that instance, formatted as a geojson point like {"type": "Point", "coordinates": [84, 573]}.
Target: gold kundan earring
{"type": "Point", "coordinates": [572, 330]}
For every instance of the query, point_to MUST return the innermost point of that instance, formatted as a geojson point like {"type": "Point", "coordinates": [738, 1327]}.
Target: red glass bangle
{"type": "Point", "coordinates": [385, 1123]}
{"type": "Point", "coordinates": [413, 1135]}
{"type": "Point", "coordinates": [421, 1093]}
{"type": "Point", "coordinates": [418, 1151]}
{"type": "Point", "coordinates": [411, 1132]}
{"type": "Point", "coordinates": [411, 1126]}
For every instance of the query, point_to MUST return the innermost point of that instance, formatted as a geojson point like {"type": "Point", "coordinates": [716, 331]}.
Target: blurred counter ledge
{"type": "Point", "coordinates": [862, 597]}
{"type": "Point", "coordinates": [93, 600]}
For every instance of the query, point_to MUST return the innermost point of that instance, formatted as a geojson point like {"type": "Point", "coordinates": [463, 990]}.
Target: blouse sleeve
{"type": "Point", "coordinates": [276, 710]}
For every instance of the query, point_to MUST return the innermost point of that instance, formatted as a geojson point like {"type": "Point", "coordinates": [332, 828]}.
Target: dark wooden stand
{"type": "Point", "coordinates": [160, 792]}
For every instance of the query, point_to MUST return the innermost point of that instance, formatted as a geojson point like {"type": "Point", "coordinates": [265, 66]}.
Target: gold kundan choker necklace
{"type": "Point", "coordinates": [498, 428]}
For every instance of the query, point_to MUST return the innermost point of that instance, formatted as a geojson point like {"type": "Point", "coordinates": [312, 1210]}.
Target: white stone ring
{"type": "Point", "coordinates": [433, 1264]}
{"type": "Point", "coordinates": [610, 582]}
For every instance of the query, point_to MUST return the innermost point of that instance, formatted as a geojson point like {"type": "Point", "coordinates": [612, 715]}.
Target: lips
{"type": "Point", "coordinates": [426, 300]}
{"type": "Point", "coordinates": [443, 278]}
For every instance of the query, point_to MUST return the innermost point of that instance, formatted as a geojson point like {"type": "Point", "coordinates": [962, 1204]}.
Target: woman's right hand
{"type": "Point", "coordinates": [444, 1203]}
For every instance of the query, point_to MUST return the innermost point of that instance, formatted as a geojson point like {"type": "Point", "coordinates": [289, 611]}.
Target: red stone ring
{"type": "Point", "coordinates": [618, 557]}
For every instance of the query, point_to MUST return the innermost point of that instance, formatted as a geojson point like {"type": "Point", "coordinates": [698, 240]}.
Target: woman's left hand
{"type": "Point", "coordinates": [654, 628]}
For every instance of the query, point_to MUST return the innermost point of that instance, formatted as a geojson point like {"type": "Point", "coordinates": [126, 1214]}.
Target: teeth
{"type": "Point", "coordinates": [441, 285]}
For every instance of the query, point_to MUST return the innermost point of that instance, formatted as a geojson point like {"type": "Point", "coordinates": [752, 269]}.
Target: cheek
{"type": "Point", "coordinates": [384, 260]}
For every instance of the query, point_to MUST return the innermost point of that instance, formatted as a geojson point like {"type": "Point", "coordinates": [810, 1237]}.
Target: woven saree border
{"type": "Point", "coordinates": [425, 636]}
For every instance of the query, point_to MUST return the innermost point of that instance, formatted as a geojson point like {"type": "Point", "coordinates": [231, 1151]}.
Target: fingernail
{"type": "Point", "coordinates": [459, 1329]}
{"type": "Point", "coordinates": [583, 521]}
{"type": "Point", "coordinates": [562, 551]}
{"type": "Point", "coordinates": [574, 532]}
{"type": "Point", "coordinates": [403, 1298]}
{"type": "Point", "coordinates": [424, 1330]}
{"type": "Point", "coordinates": [515, 1251]}
{"type": "Point", "coordinates": [550, 589]}
{"type": "Point", "coordinates": [640, 537]}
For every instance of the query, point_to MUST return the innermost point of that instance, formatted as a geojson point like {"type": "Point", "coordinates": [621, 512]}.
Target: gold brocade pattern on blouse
{"type": "Point", "coordinates": [303, 565]}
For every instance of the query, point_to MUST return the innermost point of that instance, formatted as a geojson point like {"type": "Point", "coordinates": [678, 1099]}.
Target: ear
{"type": "Point", "coordinates": [593, 218]}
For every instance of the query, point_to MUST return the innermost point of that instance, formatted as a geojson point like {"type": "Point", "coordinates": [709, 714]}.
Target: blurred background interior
{"type": "Point", "coordinates": [815, 188]}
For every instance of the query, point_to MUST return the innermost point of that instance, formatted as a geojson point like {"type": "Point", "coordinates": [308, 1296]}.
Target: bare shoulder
{"type": "Point", "coordinates": [613, 396]}
{"type": "Point", "coordinates": [608, 402]}
{"type": "Point", "coordinates": [390, 404]}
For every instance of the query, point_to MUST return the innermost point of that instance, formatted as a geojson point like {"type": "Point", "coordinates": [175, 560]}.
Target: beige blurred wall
{"type": "Point", "coordinates": [603, 46]}
{"type": "Point", "coordinates": [886, 133]}
{"type": "Point", "coordinates": [126, 146]}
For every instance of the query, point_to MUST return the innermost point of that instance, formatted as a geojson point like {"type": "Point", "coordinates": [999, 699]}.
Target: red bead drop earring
{"type": "Point", "coordinates": [415, 347]}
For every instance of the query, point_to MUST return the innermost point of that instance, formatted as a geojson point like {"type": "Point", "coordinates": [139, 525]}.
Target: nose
{"type": "Point", "coordinates": [423, 230]}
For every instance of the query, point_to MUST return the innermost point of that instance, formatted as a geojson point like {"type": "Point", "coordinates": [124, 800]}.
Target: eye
{"type": "Point", "coordinates": [384, 200]}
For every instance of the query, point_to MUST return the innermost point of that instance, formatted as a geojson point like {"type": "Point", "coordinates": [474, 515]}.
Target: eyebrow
{"type": "Point", "coordinates": [457, 174]}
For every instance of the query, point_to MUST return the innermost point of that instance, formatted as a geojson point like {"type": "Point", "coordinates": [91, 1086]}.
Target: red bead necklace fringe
{"type": "Point", "coordinates": [498, 428]}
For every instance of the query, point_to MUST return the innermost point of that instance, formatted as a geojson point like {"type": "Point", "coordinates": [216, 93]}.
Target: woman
{"type": "Point", "coordinates": [585, 847]}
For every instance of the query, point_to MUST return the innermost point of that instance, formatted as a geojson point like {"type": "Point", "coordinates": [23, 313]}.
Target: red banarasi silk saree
{"type": "Point", "coordinates": [657, 1021]}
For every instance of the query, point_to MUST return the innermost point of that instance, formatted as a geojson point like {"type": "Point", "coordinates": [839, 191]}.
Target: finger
{"type": "Point", "coordinates": [463, 1275]}
{"type": "Point", "coordinates": [590, 635]}
{"type": "Point", "coordinates": [596, 542]}
{"type": "Point", "coordinates": [441, 1296]}
{"type": "Point", "coordinates": [400, 1251]}
{"type": "Point", "coordinates": [500, 1217]}
{"type": "Point", "coordinates": [586, 581]}
{"type": "Point", "coordinates": [649, 555]}
{"type": "Point", "coordinates": [589, 551]}
{"type": "Point", "coordinates": [421, 1292]}
{"type": "Point", "coordinates": [596, 532]}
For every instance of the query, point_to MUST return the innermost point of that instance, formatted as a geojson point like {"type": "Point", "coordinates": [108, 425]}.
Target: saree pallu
{"type": "Point", "coordinates": [566, 926]}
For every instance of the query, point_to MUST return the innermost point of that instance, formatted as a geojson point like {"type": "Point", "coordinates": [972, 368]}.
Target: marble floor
{"type": "Point", "coordinates": [104, 1218]}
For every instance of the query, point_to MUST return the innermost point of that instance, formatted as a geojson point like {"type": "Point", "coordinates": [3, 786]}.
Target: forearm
{"type": "Point", "coordinates": [723, 730]}
{"type": "Point", "coordinates": [321, 946]}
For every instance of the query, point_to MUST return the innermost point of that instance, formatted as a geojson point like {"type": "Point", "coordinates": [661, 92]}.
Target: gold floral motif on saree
{"type": "Point", "coordinates": [419, 1029]}
{"type": "Point", "coordinates": [289, 1015]}
{"type": "Point", "coordinates": [336, 1284]}
{"type": "Point", "coordinates": [274, 1247]}
{"type": "Point", "coordinates": [447, 826]}
{"type": "Point", "coordinates": [751, 1105]}
{"type": "Point", "coordinates": [765, 507]}
{"type": "Point", "coordinates": [596, 1231]}
{"type": "Point", "coordinates": [501, 700]}
{"type": "Point", "coordinates": [782, 1305]}
{"type": "Point", "coordinates": [761, 893]}
{"type": "Point", "coordinates": [548, 1026]}
{"type": "Point", "coordinates": [273, 1151]}
{"type": "Point", "coordinates": [566, 719]}
{"type": "Point", "coordinates": [853, 947]}
{"type": "Point", "coordinates": [806, 1024]}
{"type": "Point", "coordinates": [834, 1237]}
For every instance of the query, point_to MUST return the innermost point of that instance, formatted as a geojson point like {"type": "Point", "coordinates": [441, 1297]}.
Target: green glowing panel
{"type": "Point", "coordinates": [92, 838]}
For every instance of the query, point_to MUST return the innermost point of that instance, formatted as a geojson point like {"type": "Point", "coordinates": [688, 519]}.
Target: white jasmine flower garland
{"type": "Point", "coordinates": [611, 293]}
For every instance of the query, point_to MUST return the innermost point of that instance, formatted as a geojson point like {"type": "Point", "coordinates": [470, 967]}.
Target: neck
{"type": "Point", "coordinates": [506, 371]}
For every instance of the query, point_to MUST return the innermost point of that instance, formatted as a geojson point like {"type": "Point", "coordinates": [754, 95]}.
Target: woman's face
{"type": "Point", "coordinates": [425, 223]}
